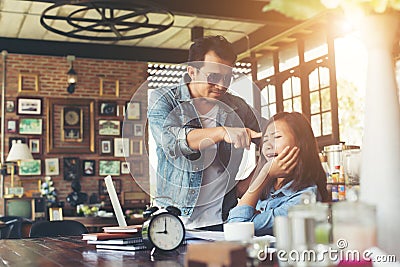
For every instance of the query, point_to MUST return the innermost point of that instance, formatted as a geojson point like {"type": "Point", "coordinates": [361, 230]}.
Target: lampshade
{"type": "Point", "coordinates": [19, 151]}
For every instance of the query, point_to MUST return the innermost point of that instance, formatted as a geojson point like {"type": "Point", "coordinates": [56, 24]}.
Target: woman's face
{"type": "Point", "coordinates": [277, 136]}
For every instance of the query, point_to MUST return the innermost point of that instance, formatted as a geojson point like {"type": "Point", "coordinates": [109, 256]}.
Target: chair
{"type": "Point", "coordinates": [15, 227]}
{"type": "Point", "coordinates": [57, 228]}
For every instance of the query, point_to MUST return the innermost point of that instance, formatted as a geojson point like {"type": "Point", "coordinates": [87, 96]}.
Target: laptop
{"type": "Point", "coordinates": [115, 202]}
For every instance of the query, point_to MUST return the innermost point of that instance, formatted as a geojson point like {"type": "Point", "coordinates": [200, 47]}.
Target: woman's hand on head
{"type": "Point", "coordinates": [279, 167]}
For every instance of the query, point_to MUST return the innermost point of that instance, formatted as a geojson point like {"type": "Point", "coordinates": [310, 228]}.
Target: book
{"type": "Point", "coordinates": [122, 229]}
{"type": "Point", "coordinates": [106, 236]}
{"type": "Point", "coordinates": [121, 241]}
{"type": "Point", "coordinates": [132, 247]}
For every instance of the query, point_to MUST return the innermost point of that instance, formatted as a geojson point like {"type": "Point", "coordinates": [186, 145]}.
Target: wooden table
{"type": "Point", "coordinates": [72, 251]}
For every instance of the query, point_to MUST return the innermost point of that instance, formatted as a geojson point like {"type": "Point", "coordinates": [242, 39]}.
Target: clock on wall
{"type": "Point", "coordinates": [72, 124]}
{"type": "Point", "coordinates": [72, 116]}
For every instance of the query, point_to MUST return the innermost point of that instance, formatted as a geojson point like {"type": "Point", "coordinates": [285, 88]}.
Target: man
{"type": "Point", "coordinates": [201, 131]}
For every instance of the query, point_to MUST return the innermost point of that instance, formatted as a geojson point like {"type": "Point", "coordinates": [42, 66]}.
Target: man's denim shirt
{"type": "Point", "coordinates": [276, 204]}
{"type": "Point", "coordinates": [172, 116]}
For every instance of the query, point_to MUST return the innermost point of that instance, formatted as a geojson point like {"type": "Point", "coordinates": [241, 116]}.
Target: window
{"type": "Point", "coordinates": [306, 87]}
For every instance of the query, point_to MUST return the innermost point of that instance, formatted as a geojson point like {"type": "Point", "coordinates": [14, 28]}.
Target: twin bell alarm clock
{"type": "Point", "coordinates": [163, 230]}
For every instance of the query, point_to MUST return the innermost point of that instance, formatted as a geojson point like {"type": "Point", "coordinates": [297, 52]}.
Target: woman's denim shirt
{"type": "Point", "coordinates": [171, 117]}
{"type": "Point", "coordinates": [276, 204]}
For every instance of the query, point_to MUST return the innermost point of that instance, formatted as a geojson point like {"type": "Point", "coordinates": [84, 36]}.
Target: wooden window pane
{"type": "Point", "coordinates": [297, 104]}
{"type": "Point", "coordinates": [287, 105]}
{"type": "Point", "coordinates": [326, 123]}
{"type": "Point", "coordinates": [287, 89]}
{"type": "Point", "coordinates": [316, 124]}
{"type": "Point", "coordinates": [315, 102]}
{"type": "Point", "coordinates": [296, 86]}
{"type": "Point", "coordinates": [326, 99]}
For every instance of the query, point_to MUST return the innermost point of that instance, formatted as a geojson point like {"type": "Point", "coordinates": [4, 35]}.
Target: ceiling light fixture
{"type": "Point", "coordinates": [106, 20]}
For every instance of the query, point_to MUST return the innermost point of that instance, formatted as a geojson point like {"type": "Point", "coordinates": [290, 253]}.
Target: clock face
{"type": "Point", "coordinates": [71, 117]}
{"type": "Point", "coordinates": [166, 231]}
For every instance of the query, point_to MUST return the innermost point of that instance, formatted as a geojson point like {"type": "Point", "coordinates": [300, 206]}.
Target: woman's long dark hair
{"type": "Point", "coordinates": [309, 170]}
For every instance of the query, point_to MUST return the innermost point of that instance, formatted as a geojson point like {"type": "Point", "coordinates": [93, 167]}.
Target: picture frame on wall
{"type": "Point", "coordinates": [71, 167]}
{"type": "Point", "coordinates": [12, 126]}
{"type": "Point", "coordinates": [56, 213]}
{"type": "Point", "coordinates": [30, 126]}
{"type": "Point", "coordinates": [133, 110]}
{"type": "Point", "coordinates": [10, 106]}
{"type": "Point", "coordinates": [88, 167]}
{"type": "Point", "coordinates": [121, 147]}
{"type": "Point", "coordinates": [108, 109]}
{"type": "Point", "coordinates": [106, 147]}
{"type": "Point", "coordinates": [136, 167]}
{"type": "Point", "coordinates": [138, 129]}
{"type": "Point", "coordinates": [30, 168]}
{"type": "Point", "coordinates": [52, 167]}
{"type": "Point", "coordinates": [29, 106]}
{"type": "Point", "coordinates": [70, 126]}
{"type": "Point", "coordinates": [35, 145]}
{"type": "Point", "coordinates": [125, 167]}
{"type": "Point", "coordinates": [109, 167]}
{"type": "Point", "coordinates": [103, 188]}
{"type": "Point", "coordinates": [136, 147]}
{"type": "Point", "coordinates": [109, 127]}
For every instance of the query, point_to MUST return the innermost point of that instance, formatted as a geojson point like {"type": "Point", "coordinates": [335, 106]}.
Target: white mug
{"type": "Point", "coordinates": [239, 231]}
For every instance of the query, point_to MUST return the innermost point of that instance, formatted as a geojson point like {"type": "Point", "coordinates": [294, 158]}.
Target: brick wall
{"type": "Point", "coordinates": [51, 72]}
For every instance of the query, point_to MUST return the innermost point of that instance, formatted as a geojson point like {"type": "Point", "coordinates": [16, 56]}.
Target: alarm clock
{"type": "Point", "coordinates": [163, 230]}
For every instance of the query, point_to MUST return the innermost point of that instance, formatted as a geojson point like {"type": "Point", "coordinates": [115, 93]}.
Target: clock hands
{"type": "Point", "coordinates": [165, 228]}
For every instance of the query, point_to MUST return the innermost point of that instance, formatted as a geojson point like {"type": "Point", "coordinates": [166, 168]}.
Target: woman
{"type": "Point", "coordinates": [289, 166]}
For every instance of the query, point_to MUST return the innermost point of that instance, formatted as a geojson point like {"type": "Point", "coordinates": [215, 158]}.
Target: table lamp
{"type": "Point", "coordinates": [18, 153]}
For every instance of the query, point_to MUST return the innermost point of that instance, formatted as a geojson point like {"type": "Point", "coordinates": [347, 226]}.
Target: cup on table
{"type": "Point", "coordinates": [239, 231]}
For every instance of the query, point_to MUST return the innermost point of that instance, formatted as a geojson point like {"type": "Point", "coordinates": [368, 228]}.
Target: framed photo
{"type": "Point", "coordinates": [108, 109]}
{"type": "Point", "coordinates": [30, 126]}
{"type": "Point", "coordinates": [35, 146]}
{"type": "Point", "coordinates": [71, 126]}
{"type": "Point", "coordinates": [56, 214]}
{"type": "Point", "coordinates": [121, 147]}
{"type": "Point", "coordinates": [109, 127]}
{"type": "Point", "coordinates": [133, 111]}
{"type": "Point", "coordinates": [52, 166]}
{"type": "Point", "coordinates": [109, 167]}
{"type": "Point", "coordinates": [29, 106]}
{"type": "Point", "coordinates": [136, 147]}
{"type": "Point", "coordinates": [103, 188]}
{"type": "Point", "coordinates": [138, 129]}
{"type": "Point", "coordinates": [136, 167]}
{"type": "Point", "coordinates": [106, 147]}
{"type": "Point", "coordinates": [125, 167]}
{"type": "Point", "coordinates": [11, 140]}
{"type": "Point", "coordinates": [28, 82]}
{"type": "Point", "coordinates": [109, 87]}
{"type": "Point", "coordinates": [12, 126]}
{"type": "Point", "coordinates": [10, 106]}
{"type": "Point", "coordinates": [88, 167]}
{"type": "Point", "coordinates": [30, 167]}
{"type": "Point", "coordinates": [71, 168]}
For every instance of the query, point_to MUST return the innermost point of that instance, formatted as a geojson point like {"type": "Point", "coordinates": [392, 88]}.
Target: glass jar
{"type": "Point", "coordinates": [354, 225]}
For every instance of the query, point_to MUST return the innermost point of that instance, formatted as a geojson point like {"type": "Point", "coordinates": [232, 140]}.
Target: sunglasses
{"type": "Point", "coordinates": [216, 78]}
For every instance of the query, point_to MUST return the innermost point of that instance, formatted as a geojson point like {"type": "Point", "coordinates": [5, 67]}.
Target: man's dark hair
{"type": "Point", "coordinates": [222, 47]}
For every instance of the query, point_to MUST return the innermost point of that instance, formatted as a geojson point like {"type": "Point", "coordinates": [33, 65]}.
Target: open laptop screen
{"type": "Point", "coordinates": [115, 201]}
